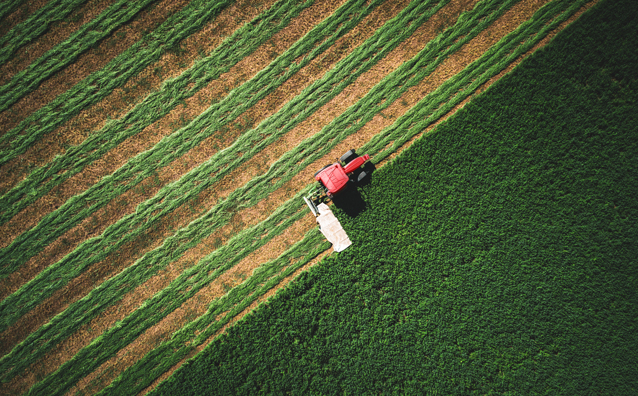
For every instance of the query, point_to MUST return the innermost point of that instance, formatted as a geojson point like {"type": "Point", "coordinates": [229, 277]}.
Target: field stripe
{"type": "Point", "coordinates": [155, 106]}
{"type": "Point", "coordinates": [102, 82]}
{"type": "Point", "coordinates": [121, 100]}
{"type": "Point", "coordinates": [65, 269]}
{"type": "Point", "coordinates": [170, 196]}
{"type": "Point", "coordinates": [56, 33]}
{"type": "Point", "coordinates": [390, 85]}
{"type": "Point", "coordinates": [35, 26]}
{"type": "Point", "coordinates": [156, 358]}
{"type": "Point", "coordinates": [68, 51]}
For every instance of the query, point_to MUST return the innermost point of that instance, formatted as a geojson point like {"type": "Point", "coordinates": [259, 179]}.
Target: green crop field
{"type": "Point", "coordinates": [154, 156]}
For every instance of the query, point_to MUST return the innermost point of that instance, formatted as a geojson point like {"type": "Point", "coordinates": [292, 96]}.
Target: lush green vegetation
{"type": "Point", "coordinates": [496, 255]}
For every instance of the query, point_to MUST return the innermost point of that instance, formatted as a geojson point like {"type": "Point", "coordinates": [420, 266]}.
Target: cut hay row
{"type": "Point", "coordinates": [135, 378]}
{"type": "Point", "coordinates": [7, 7]}
{"type": "Point", "coordinates": [172, 93]}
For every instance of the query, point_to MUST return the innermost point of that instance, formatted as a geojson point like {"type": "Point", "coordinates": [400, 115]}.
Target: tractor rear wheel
{"type": "Point", "coordinates": [347, 157]}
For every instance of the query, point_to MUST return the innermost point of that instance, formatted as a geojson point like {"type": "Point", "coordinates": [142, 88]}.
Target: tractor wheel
{"type": "Point", "coordinates": [319, 171]}
{"type": "Point", "coordinates": [347, 157]}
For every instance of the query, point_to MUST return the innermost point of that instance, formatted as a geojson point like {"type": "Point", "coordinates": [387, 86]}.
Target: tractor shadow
{"type": "Point", "coordinates": [350, 200]}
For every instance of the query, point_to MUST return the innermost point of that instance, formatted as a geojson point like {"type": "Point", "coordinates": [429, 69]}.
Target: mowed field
{"type": "Point", "coordinates": [154, 155]}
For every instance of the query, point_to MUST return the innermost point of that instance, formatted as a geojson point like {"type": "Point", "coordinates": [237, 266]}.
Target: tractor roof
{"type": "Point", "coordinates": [334, 178]}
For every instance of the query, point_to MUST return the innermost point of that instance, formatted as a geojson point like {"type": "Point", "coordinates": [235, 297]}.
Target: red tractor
{"type": "Point", "coordinates": [335, 178]}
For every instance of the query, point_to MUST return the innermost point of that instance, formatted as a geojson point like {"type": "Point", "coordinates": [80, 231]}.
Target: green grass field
{"type": "Point", "coordinates": [151, 203]}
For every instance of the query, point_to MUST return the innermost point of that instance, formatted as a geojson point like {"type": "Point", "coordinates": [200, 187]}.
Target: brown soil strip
{"type": "Point", "coordinates": [123, 99]}
{"type": "Point", "coordinates": [20, 15]}
{"type": "Point", "coordinates": [90, 61]}
{"type": "Point", "coordinates": [404, 106]}
{"type": "Point", "coordinates": [57, 33]}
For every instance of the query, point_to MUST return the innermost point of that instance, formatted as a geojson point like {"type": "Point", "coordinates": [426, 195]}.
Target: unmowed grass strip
{"type": "Point", "coordinates": [34, 26]}
{"type": "Point", "coordinates": [69, 50]}
{"type": "Point", "coordinates": [64, 270]}
{"type": "Point", "coordinates": [116, 73]}
{"type": "Point", "coordinates": [497, 251]}
{"type": "Point", "coordinates": [186, 284]}
{"type": "Point", "coordinates": [176, 193]}
{"type": "Point", "coordinates": [172, 93]}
